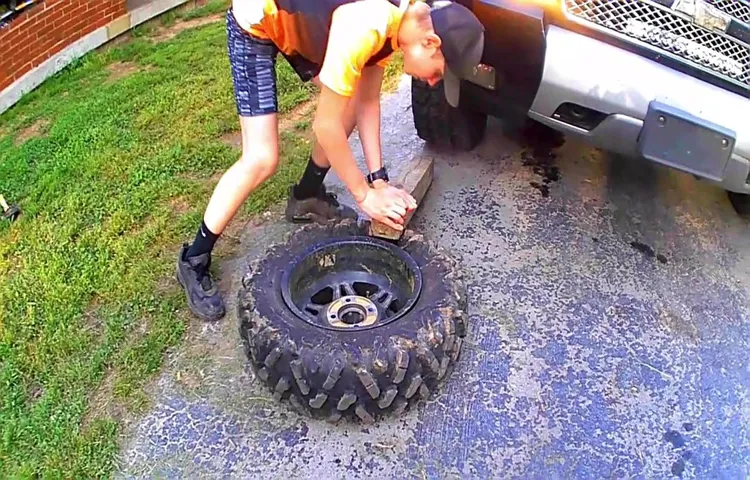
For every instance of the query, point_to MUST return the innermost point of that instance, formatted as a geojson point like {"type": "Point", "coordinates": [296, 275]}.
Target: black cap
{"type": "Point", "coordinates": [462, 37]}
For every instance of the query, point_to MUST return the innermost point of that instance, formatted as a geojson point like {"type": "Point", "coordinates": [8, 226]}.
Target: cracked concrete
{"type": "Point", "coordinates": [586, 357]}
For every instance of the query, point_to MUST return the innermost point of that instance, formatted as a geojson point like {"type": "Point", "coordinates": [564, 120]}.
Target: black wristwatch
{"type": "Point", "coordinates": [381, 174]}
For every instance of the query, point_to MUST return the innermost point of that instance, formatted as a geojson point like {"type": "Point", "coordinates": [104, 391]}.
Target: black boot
{"type": "Point", "coordinates": [202, 295]}
{"type": "Point", "coordinates": [321, 208]}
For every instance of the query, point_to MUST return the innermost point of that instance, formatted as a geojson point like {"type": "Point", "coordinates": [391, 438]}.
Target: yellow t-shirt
{"type": "Point", "coordinates": [339, 37]}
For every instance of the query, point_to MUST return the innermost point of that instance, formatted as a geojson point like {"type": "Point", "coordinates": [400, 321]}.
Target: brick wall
{"type": "Point", "coordinates": [46, 28]}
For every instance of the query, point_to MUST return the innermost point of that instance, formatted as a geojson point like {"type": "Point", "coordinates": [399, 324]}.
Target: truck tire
{"type": "Point", "coordinates": [442, 125]}
{"type": "Point", "coordinates": [358, 374]}
{"type": "Point", "coordinates": [741, 203]}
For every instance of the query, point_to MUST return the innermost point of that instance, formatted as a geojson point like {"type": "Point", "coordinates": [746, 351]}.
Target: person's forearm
{"type": "Point", "coordinates": [368, 126]}
{"type": "Point", "coordinates": [331, 136]}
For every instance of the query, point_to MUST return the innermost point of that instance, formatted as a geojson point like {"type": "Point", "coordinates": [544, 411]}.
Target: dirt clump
{"type": "Point", "coordinates": [35, 130]}
{"type": "Point", "coordinates": [167, 33]}
{"type": "Point", "coordinates": [120, 70]}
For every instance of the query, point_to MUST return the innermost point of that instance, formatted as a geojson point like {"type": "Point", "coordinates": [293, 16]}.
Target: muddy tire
{"type": "Point", "coordinates": [741, 203]}
{"type": "Point", "coordinates": [441, 125]}
{"type": "Point", "coordinates": [362, 375]}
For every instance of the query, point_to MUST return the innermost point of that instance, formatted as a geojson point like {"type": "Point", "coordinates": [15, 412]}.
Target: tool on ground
{"type": "Point", "coordinates": [10, 212]}
{"type": "Point", "coordinates": [416, 179]}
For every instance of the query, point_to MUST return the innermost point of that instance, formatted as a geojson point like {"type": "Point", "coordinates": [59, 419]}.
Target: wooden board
{"type": "Point", "coordinates": [416, 179]}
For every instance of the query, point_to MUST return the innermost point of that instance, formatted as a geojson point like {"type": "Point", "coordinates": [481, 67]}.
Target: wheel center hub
{"type": "Point", "coordinates": [352, 311]}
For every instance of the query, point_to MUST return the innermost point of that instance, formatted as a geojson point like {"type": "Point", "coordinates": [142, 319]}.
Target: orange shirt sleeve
{"type": "Point", "coordinates": [384, 62]}
{"type": "Point", "coordinates": [358, 31]}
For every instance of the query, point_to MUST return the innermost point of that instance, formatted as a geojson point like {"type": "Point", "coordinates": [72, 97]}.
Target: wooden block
{"type": "Point", "coordinates": [415, 179]}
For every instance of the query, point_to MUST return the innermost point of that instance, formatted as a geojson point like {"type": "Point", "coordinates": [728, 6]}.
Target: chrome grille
{"type": "Point", "coordinates": [739, 9]}
{"type": "Point", "coordinates": [662, 28]}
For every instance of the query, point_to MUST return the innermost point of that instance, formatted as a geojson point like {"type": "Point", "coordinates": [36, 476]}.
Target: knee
{"type": "Point", "coordinates": [260, 162]}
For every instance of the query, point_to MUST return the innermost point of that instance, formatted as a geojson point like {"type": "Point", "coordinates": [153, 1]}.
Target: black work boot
{"type": "Point", "coordinates": [202, 295]}
{"type": "Point", "coordinates": [321, 208]}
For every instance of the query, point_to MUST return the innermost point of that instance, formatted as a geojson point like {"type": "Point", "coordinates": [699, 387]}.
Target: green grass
{"type": "Point", "coordinates": [117, 180]}
{"type": "Point", "coordinates": [211, 7]}
{"type": "Point", "coordinates": [115, 183]}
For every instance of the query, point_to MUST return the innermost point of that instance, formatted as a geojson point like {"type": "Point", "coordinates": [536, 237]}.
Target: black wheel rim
{"type": "Point", "coordinates": [356, 283]}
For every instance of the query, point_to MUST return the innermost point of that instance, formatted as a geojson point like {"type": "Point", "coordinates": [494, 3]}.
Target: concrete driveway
{"type": "Point", "coordinates": [609, 336]}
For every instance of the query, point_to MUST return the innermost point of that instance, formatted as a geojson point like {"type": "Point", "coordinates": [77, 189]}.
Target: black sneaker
{"type": "Point", "coordinates": [321, 208]}
{"type": "Point", "coordinates": [202, 295]}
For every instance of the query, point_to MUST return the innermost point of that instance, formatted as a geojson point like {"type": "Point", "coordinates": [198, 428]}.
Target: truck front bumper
{"type": "Point", "coordinates": [644, 109]}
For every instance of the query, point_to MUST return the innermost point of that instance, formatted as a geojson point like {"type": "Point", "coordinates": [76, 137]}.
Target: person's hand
{"type": "Point", "coordinates": [379, 183]}
{"type": "Point", "coordinates": [388, 205]}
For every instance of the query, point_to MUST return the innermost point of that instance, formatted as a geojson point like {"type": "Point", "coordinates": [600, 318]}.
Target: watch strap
{"type": "Point", "coordinates": [380, 174]}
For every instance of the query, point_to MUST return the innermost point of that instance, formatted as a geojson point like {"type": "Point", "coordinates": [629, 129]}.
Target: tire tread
{"type": "Point", "coordinates": [370, 380]}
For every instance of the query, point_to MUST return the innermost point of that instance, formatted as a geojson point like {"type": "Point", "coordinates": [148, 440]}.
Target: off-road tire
{"type": "Point", "coordinates": [441, 125]}
{"type": "Point", "coordinates": [741, 203]}
{"type": "Point", "coordinates": [359, 375]}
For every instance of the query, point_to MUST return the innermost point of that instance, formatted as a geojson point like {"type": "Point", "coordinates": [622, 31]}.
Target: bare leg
{"type": "Point", "coordinates": [260, 157]}
{"type": "Point", "coordinates": [319, 157]}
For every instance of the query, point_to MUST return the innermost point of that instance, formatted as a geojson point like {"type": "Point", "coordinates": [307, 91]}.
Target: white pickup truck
{"type": "Point", "coordinates": [665, 80]}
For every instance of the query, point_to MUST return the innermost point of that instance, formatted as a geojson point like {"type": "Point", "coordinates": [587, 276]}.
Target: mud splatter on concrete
{"type": "Point", "coordinates": [643, 248]}
{"type": "Point", "coordinates": [540, 143]}
{"type": "Point", "coordinates": [649, 252]}
{"type": "Point", "coordinates": [675, 438]}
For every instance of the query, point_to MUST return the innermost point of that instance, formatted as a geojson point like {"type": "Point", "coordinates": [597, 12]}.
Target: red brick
{"type": "Point", "coordinates": [53, 3]}
{"type": "Point", "coordinates": [39, 59]}
{"type": "Point", "coordinates": [21, 71]}
{"type": "Point", "coordinates": [27, 56]}
{"type": "Point", "coordinates": [44, 46]}
{"type": "Point", "coordinates": [23, 22]}
{"type": "Point", "coordinates": [67, 21]}
{"type": "Point", "coordinates": [79, 12]}
{"type": "Point", "coordinates": [48, 33]}
{"type": "Point", "coordinates": [54, 12]}
{"type": "Point", "coordinates": [114, 10]}
{"type": "Point", "coordinates": [57, 48]}
{"type": "Point", "coordinates": [72, 35]}
{"type": "Point", "coordinates": [79, 28]}
{"type": "Point", "coordinates": [21, 38]}
{"type": "Point", "coordinates": [101, 23]}
{"type": "Point", "coordinates": [8, 35]}
{"type": "Point", "coordinates": [48, 22]}
{"type": "Point", "coordinates": [21, 55]}
{"type": "Point", "coordinates": [49, 28]}
{"type": "Point", "coordinates": [36, 50]}
{"type": "Point", "coordinates": [5, 83]}
{"type": "Point", "coordinates": [58, 33]}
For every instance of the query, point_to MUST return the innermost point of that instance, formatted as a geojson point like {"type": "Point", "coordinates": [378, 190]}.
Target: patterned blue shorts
{"type": "Point", "coordinates": [253, 63]}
